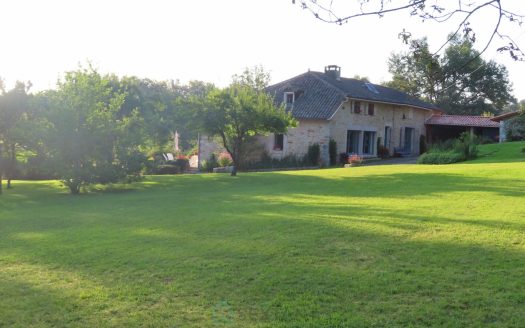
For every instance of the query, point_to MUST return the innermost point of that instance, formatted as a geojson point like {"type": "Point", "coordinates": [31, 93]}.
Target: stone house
{"type": "Point", "coordinates": [358, 115]}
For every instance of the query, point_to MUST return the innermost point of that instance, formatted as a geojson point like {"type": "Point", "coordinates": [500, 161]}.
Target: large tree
{"type": "Point", "coordinates": [459, 82]}
{"type": "Point", "coordinates": [464, 13]}
{"type": "Point", "coordinates": [239, 112]}
{"type": "Point", "coordinates": [13, 111]}
{"type": "Point", "coordinates": [89, 141]}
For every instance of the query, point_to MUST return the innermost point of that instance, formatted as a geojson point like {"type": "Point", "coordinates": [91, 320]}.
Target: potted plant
{"type": "Point", "coordinates": [354, 160]}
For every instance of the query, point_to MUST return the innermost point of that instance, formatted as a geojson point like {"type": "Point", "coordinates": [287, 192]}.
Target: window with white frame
{"type": "Point", "coordinates": [289, 98]}
{"type": "Point", "coordinates": [371, 109]}
{"type": "Point", "coordinates": [368, 142]}
{"type": "Point", "coordinates": [357, 107]}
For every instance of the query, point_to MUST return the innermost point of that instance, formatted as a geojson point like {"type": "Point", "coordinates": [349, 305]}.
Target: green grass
{"type": "Point", "coordinates": [379, 246]}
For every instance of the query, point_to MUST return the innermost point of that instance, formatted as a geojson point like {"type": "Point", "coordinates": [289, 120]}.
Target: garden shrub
{"type": "Point", "coordinates": [267, 162]}
{"type": "Point", "coordinates": [466, 145]}
{"type": "Point", "coordinates": [225, 159]}
{"type": "Point", "coordinates": [422, 144]}
{"type": "Point", "coordinates": [168, 169]}
{"type": "Point", "coordinates": [343, 158]}
{"type": "Point", "coordinates": [383, 152]}
{"type": "Point", "coordinates": [440, 158]}
{"type": "Point", "coordinates": [452, 151]}
{"type": "Point", "coordinates": [314, 154]}
{"type": "Point", "coordinates": [332, 150]}
{"type": "Point", "coordinates": [182, 163]}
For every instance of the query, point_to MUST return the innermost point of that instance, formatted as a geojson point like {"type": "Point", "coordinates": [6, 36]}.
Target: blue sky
{"type": "Point", "coordinates": [207, 40]}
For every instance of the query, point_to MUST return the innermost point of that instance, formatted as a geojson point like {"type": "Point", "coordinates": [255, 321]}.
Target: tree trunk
{"type": "Point", "coordinates": [1, 167]}
{"type": "Point", "coordinates": [12, 164]}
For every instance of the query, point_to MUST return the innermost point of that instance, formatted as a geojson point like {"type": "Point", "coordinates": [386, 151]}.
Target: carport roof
{"type": "Point", "coordinates": [462, 120]}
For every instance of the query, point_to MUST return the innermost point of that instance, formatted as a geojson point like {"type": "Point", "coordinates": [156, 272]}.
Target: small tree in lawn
{"type": "Point", "coordinates": [88, 141]}
{"type": "Point", "coordinates": [237, 113]}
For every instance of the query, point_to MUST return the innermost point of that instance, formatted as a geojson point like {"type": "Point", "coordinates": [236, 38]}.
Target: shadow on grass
{"type": "Point", "coordinates": [278, 250]}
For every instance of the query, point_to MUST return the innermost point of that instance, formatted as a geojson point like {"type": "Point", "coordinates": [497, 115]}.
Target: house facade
{"type": "Point", "coordinates": [358, 115]}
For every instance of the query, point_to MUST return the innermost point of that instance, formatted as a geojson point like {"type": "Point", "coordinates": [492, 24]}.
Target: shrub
{"type": "Point", "coordinates": [355, 159]}
{"type": "Point", "coordinates": [466, 145]}
{"type": "Point", "coordinates": [225, 159]}
{"type": "Point", "coordinates": [343, 158]}
{"type": "Point", "coordinates": [332, 150]}
{"type": "Point", "coordinates": [314, 154]}
{"type": "Point", "coordinates": [168, 169]}
{"type": "Point", "coordinates": [440, 158]}
{"type": "Point", "coordinates": [422, 144]}
{"type": "Point", "coordinates": [523, 150]}
{"type": "Point", "coordinates": [182, 162]}
{"type": "Point", "coordinates": [383, 152]}
{"type": "Point", "coordinates": [267, 162]}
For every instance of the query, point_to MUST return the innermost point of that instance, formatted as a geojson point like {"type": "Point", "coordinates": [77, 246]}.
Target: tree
{"type": "Point", "coordinates": [515, 126]}
{"type": "Point", "coordinates": [160, 104]}
{"type": "Point", "coordinates": [472, 89]}
{"type": "Point", "coordinates": [88, 141]}
{"type": "Point", "coordinates": [13, 110]}
{"type": "Point", "coordinates": [237, 113]}
{"type": "Point", "coordinates": [338, 12]}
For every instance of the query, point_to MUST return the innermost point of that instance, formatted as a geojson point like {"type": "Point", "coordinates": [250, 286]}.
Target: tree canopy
{"type": "Point", "coordinates": [240, 112]}
{"type": "Point", "coordinates": [462, 11]}
{"type": "Point", "coordinates": [89, 141]}
{"type": "Point", "coordinates": [459, 81]}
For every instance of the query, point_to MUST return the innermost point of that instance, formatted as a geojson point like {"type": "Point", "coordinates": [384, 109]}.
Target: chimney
{"type": "Point", "coordinates": [333, 71]}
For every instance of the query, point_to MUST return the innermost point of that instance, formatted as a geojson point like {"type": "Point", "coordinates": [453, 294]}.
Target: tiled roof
{"type": "Point", "coordinates": [318, 96]}
{"type": "Point", "coordinates": [505, 116]}
{"type": "Point", "coordinates": [462, 120]}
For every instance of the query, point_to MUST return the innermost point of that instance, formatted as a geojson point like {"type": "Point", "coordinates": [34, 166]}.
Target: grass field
{"type": "Point", "coordinates": [379, 246]}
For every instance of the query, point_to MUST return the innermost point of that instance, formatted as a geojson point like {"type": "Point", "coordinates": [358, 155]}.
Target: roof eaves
{"type": "Point", "coordinates": [393, 103]}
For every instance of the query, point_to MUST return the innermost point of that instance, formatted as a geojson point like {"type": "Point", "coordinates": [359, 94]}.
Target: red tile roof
{"type": "Point", "coordinates": [462, 120]}
{"type": "Point", "coordinates": [505, 116]}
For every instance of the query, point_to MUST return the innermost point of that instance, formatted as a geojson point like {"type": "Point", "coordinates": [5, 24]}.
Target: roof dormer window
{"type": "Point", "coordinates": [289, 98]}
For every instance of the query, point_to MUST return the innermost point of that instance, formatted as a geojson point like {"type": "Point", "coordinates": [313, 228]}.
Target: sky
{"type": "Point", "coordinates": [211, 40]}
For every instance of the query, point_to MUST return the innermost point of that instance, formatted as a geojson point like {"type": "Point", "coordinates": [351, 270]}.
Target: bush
{"type": "Point", "coordinates": [210, 164]}
{"type": "Point", "coordinates": [168, 169]}
{"type": "Point", "coordinates": [440, 158]}
{"type": "Point", "coordinates": [523, 150]}
{"type": "Point", "coordinates": [225, 159]}
{"type": "Point", "coordinates": [383, 152]}
{"type": "Point", "coordinates": [182, 162]}
{"type": "Point", "coordinates": [466, 145]}
{"type": "Point", "coordinates": [267, 162]}
{"type": "Point", "coordinates": [343, 158]}
{"type": "Point", "coordinates": [332, 150]}
{"type": "Point", "coordinates": [314, 154]}
{"type": "Point", "coordinates": [422, 144]}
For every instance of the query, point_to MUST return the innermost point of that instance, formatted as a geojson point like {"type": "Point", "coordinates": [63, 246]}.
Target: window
{"type": "Point", "coordinates": [368, 142]}
{"type": "Point", "coordinates": [289, 98]}
{"type": "Point", "coordinates": [371, 109]}
{"type": "Point", "coordinates": [357, 107]}
{"type": "Point", "coordinates": [278, 141]}
{"type": "Point", "coordinates": [352, 141]}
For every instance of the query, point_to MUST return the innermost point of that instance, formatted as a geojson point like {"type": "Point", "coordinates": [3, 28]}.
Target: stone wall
{"type": "Point", "coordinates": [396, 117]}
{"type": "Point", "coordinates": [208, 146]}
{"type": "Point", "coordinates": [298, 139]}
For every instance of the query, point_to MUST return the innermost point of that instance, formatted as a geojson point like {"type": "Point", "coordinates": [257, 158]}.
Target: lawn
{"type": "Point", "coordinates": [378, 246]}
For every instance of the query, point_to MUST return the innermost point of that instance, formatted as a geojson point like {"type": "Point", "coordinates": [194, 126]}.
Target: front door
{"type": "Point", "coordinates": [408, 139]}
